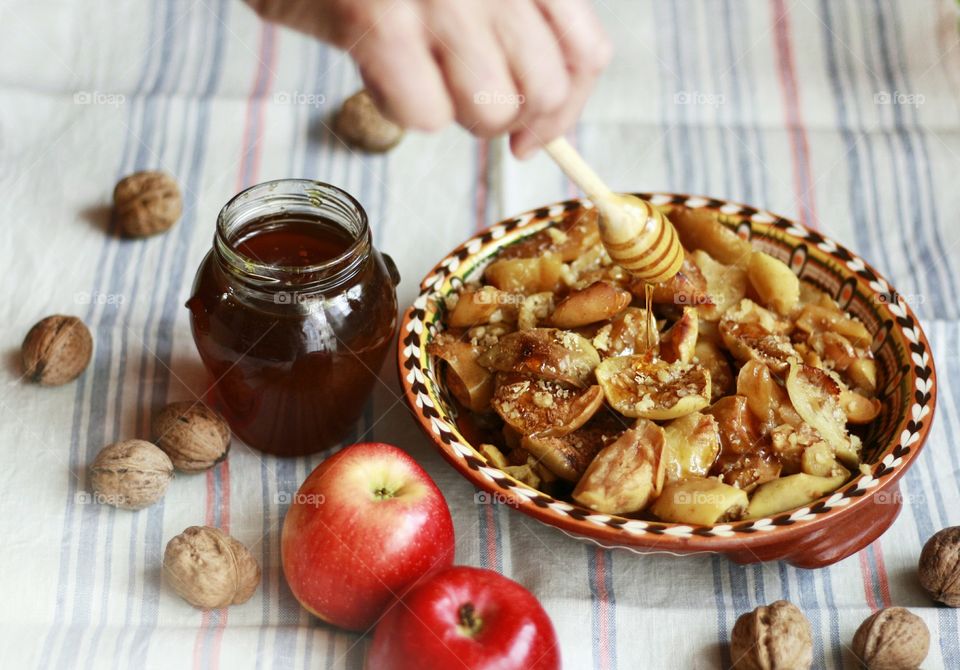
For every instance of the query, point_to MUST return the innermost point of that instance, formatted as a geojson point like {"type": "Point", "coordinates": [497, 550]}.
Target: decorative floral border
{"type": "Point", "coordinates": [424, 394]}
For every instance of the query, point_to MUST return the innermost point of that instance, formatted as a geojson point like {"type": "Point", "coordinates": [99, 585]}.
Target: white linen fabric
{"type": "Point", "coordinates": [843, 114]}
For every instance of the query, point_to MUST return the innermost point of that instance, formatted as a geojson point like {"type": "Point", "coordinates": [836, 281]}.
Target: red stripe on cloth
{"type": "Point", "coordinates": [799, 146]}
{"type": "Point", "coordinates": [867, 584]}
{"type": "Point", "coordinates": [249, 167]}
{"type": "Point", "coordinates": [882, 574]}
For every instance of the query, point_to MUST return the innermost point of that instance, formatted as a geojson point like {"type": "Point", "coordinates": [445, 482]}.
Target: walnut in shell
{"type": "Point", "coordinates": [146, 203]}
{"type": "Point", "coordinates": [772, 637]}
{"type": "Point", "coordinates": [360, 124]}
{"type": "Point", "coordinates": [209, 569]}
{"type": "Point", "coordinates": [892, 639]}
{"type": "Point", "coordinates": [940, 566]}
{"type": "Point", "coordinates": [132, 474]}
{"type": "Point", "coordinates": [56, 350]}
{"type": "Point", "coordinates": [193, 435]}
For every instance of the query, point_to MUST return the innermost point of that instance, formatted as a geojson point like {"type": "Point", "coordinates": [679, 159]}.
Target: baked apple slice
{"type": "Point", "coordinates": [598, 302]}
{"type": "Point", "coordinates": [568, 456]}
{"type": "Point", "coordinates": [469, 382]}
{"type": "Point", "coordinates": [541, 407]}
{"type": "Point", "coordinates": [644, 387]}
{"type": "Point", "coordinates": [751, 332]}
{"type": "Point", "coordinates": [700, 501]}
{"type": "Point", "coordinates": [693, 444]}
{"type": "Point", "coordinates": [816, 397]}
{"type": "Point", "coordinates": [627, 334]}
{"type": "Point", "coordinates": [557, 355]}
{"type": "Point", "coordinates": [627, 474]}
{"type": "Point", "coordinates": [679, 342]}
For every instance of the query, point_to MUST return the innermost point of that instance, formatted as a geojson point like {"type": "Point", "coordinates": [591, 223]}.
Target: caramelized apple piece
{"type": "Point", "coordinates": [477, 306]}
{"type": "Point", "coordinates": [767, 400]}
{"type": "Point", "coordinates": [569, 455]}
{"type": "Point", "coordinates": [816, 397]}
{"type": "Point", "coordinates": [637, 386]}
{"type": "Point", "coordinates": [862, 374]}
{"type": "Point", "coordinates": [700, 229]}
{"type": "Point", "coordinates": [493, 455]}
{"type": "Point", "coordinates": [627, 474]}
{"type": "Point", "coordinates": [598, 302]}
{"type": "Point", "coordinates": [575, 234]}
{"type": "Point", "coordinates": [817, 318]}
{"type": "Point", "coordinates": [789, 443]}
{"type": "Point", "coordinates": [743, 459]}
{"type": "Point", "coordinates": [774, 282]}
{"type": "Point", "coordinates": [680, 340]}
{"type": "Point", "coordinates": [687, 288]}
{"type": "Point", "coordinates": [559, 355]}
{"type": "Point", "coordinates": [726, 285]}
{"type": "Point", "coordinates": [469, 382]}
{"type": "Point", "coordinates": [700, 502]}
{"type": "Point", "coordinates": [857, 408]}
{"type": "Point", "coordinates": [751, 332]}
{"type": "Point", "coordinates": [821, 461]}
{"type": "Point", "coordinates": [525, 275]}
{"type": "Point", "coordinates": [627, 333]}
{"type": "Point", "coordinates": [833, 348]}
{"type": "Point", "coordinates": [738, 427]}
{"type": "Point", "coordinates": [693, 444]}
{"type": "Point", "coordinates": [711, 357]}
{"type": "Point", "coordinates": [525, 474]}
{"type": "Point", "coordinates": [790, 492]}
{"type": "Point", "coordinates": [540, 407]}
{"type": "Point", "coordinates": [747, 471]}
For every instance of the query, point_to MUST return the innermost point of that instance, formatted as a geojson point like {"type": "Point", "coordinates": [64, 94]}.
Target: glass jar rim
{"type": "Point", "coordinates": [294, 188]}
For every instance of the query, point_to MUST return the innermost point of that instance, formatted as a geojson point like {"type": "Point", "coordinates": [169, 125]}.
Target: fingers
{"type": "Point", "coordinates": [536, 63]}
{"type": "Point", "coordinates": [408, 88]}
{"type": "Point", "coordinates": [475, 69]}
{"type": "Point", "coordinates": [586, 52]}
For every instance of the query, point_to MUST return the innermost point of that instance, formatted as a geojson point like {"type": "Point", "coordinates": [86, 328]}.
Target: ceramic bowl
{"type": "Point", "coordinates": [821, 533]}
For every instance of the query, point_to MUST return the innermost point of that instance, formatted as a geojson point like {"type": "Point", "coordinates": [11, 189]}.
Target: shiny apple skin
{"type": "Point", "coordinates": [425, 632]}
{"type": "Point", "coordinates": [348, 554]}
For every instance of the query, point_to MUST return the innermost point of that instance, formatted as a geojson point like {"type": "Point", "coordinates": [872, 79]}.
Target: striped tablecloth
{"type": "Point", "coordinates": [844, 114]}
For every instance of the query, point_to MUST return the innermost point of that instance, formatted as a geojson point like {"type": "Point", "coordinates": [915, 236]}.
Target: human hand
{"type": "Point", "coordinates": [523, 67]}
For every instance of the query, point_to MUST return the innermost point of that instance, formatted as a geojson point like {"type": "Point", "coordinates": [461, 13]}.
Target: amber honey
{"type": "Point", "coordinates": [293, 312]}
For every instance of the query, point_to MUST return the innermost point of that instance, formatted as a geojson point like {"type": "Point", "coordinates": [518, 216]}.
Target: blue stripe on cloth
{"type": "Point", "coordinates": [947, 335]}
{"type": "Point", "coordinates": [77, 460]}
{"type": "Point", "coordinates": [864, 226]}
{"type": "Point", "coordinates": [175, 247]}
{"type": "Point", "coordinates": [920, 511]}
{"type": "Point", "coordinates": [917, 156]}
{"type": "Point", "coordinates": [281, 470]}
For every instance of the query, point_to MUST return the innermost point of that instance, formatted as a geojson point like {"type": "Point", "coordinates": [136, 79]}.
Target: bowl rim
{"type": "Point", "coordinates": [613, 531]}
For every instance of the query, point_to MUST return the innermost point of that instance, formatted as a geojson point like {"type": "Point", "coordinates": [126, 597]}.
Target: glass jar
{"type": "Point", "coordinates": [293, 311]}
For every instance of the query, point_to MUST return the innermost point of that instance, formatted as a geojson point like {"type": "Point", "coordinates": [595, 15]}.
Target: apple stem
{"type": "Point", "coordinates": [383, 493]}
{"type": "Point", "coordinates": [470, 623]}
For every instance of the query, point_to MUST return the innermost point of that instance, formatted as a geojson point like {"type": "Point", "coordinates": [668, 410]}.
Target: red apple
{"type": "Point", "coordinates": [365, 526]}
{"type": "Point", "coordinates": [465, 617]}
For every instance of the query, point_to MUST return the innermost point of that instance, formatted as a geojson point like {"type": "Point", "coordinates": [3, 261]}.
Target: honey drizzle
{"type": "Point", "coordinates": [647, 313]}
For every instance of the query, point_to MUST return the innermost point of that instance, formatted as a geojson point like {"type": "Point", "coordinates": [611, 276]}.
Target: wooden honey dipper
{"type": "Point", "coordinates": [636, 234]}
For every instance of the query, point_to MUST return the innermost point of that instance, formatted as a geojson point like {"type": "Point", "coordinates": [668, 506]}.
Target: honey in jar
{"type": "Point", "coordinates": [293, 312]}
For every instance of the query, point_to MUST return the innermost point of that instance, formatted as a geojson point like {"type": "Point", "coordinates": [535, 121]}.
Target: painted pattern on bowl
{"type": "Point", "coordinates": [821, 533]}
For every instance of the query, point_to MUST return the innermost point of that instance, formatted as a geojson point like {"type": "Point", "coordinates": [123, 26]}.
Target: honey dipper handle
{"type": "Point", "coordinates": [572, 163]}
